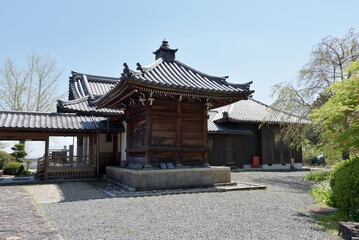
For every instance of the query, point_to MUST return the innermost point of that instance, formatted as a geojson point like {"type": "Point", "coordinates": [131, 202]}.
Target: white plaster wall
{"type": "Point", "coordinates": [105, 146]}
{"type": "Point", "coordinates": [298, 165]}
{"type": "Point", "coordinates": [274, 166]}
{"type": "Point", "coordinates": [123, 142]}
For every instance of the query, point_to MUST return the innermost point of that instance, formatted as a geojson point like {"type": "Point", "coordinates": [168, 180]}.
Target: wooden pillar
{"type": "Point", "coordinates": [115, 148]}
{"type": "Point", "coordinates": [98, 155]}
{"type": "Point", "coordinates": [178, 135]}
{"type": "Point", "coordinates": [148, 135]}
{"type": "Point", "coordinates": [127, 136]}
{"type": "Point", "coordinates": [46, 156]}
{"type": "Point", "coordinates": [205, 138]}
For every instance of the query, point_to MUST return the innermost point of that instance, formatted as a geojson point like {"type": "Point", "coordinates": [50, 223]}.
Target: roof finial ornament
{"type": "Point", "coordinates": [126, 71]}
{"type": "Point", "coordinates": [165, 52]}
{"type": "Point", "coordinates": [139, 67]}
{"type": "Point", "coordinates": [165, 43]}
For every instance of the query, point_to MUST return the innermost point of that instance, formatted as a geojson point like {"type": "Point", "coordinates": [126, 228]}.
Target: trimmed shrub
{"type": "Point", "coordinates": [5, 159]}
{"type": "Point", "coordinates": [14, 168]}
{"type": "Point", "coordinates": [344, 182]}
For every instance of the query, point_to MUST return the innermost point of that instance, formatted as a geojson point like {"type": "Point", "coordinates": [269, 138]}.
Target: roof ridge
{"type": "Point", "coordinates": [200, 72]}
{"type": "Point", "coordinates": [38, 113]}
{"type": "Point", "coordinates": [153, 65]}
{"type": "Point", "coordinates": [77, 100]}
{"type": "Point", "coordinates": [255, 100]}
{"type": "Point", "coordinates": [100, 78]}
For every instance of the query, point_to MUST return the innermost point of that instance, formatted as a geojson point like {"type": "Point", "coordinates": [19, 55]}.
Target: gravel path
{"type": "Point", "coordinates": [276, 213]}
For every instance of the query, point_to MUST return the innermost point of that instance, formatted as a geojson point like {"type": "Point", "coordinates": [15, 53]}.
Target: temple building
{"type": "Point", "coordinates": [150, 118]}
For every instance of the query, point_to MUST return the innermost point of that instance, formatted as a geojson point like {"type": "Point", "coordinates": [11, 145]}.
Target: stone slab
{"type": "Point", "coordinates": [170, 178]}
{"type": "Point", "coordinates": [20, 218]}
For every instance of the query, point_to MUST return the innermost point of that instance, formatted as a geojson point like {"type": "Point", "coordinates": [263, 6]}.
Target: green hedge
{"type": "Point", "coordinates": [344, 182]}
{"type": "Point", "coordinates": [5, 159]}
{"type": "Point", "coordinates": [14, 168]}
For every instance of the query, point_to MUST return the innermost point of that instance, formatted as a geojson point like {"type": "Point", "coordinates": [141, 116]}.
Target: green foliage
{"type": "Point", "coordinates": [344, 182]}
{"type": "Point", "coordinates": [322, 193]}
{"type": "Point", "coordinates": [317, 176]}
{"type": "Point", "coordinates": [26, 172]}
{"type": "Point", "coordinates": [2, 145]}
{"type": "Point", "coordinates": [5, 158]}
{"type": "Point", "coordinates": [327, 65]}
{"type": "Point", "coordinates": [28, 162]}
{"type": "Point", "coordinates": [352, 69]}
{"type": "Point", "coordinates": [19, 151]}
{"type": "Point", "coordinates": [14, 168]}
{"type": "Point", "coordinates": [337, 121]}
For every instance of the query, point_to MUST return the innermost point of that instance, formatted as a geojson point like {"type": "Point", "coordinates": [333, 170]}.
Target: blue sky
{"type": "Point", "coordinates": [266, 42]}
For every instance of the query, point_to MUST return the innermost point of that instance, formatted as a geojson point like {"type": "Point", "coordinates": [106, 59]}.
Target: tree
{"type": "Point", "coordinates": [19, 151]}
{"type": "Point", "coordinates": [327, 64]}
{"type": "Point", "coordinates": [337, 120]}
{"type": "Point", "coordinates": [29, 88]}
{"type": "Point", "coordinates": [2, 145]}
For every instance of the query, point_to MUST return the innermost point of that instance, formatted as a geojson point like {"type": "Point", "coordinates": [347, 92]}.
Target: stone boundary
{"type": "Point", "coordinates": [118, 190]}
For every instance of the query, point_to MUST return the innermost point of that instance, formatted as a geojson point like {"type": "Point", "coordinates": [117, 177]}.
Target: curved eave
{"type": "Point", "coordinates": [183, 89]}
{"type": "Point", "coordinates": [223, 120]}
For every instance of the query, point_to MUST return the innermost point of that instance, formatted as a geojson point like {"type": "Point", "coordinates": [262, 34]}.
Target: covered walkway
{"type": "Point", "coordinates": [90, 132]}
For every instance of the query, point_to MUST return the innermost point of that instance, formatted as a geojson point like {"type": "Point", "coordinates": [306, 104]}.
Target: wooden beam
{"type": "Point", "coordinates": [46, 156]}
{"type": "Point", "coordinates": [113, 105]}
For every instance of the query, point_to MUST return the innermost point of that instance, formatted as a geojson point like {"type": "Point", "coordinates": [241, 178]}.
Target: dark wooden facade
{"type": "Point", "coordinates": [167, 131]}
{"type": "Point", "coordinates": [166, 106]}
{"type": "Point", "coordinates": [238, 149]}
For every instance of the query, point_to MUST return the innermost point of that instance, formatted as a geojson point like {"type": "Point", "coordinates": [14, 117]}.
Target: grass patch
{"type": "Point", "coordinates": [317, 176]}
{"type": "Point", "coordinates": [322, 193]}
{"type": "Point", "coordinates": [327, 222]}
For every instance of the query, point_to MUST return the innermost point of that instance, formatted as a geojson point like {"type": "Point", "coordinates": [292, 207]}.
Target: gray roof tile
{"type": "Point", "coordinates": [83, 105]}
{"type": "Point", "coordinates": [54, 121]}
{"type": "Point", "coordinates": [175, 74]}
{"type": "Point", "coordinates": [248, 111]}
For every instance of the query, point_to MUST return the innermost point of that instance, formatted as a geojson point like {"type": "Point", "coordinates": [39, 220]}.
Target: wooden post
{"type": "Point", "coordinates": [46, 156]}
{"type": "Point", "coordinates": [115, 148]}
{"type": "Point", "coordinates": [98, 155]}
{"type": "Point", "coordinates": [127, 135]}
{"type": "Point", "coordinates": [178, 135]}
{"type": "Point", "coordinates": [148, 135]}
{"type": "Point", "coordinates": [205, 138]}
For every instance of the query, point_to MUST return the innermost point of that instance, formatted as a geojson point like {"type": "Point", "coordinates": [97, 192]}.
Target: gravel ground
{"type": "Point", "coordinates": [277, 213]}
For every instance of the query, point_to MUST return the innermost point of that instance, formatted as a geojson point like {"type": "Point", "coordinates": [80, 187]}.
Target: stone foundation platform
{"type": "Point", "coordinates": [170, 178]}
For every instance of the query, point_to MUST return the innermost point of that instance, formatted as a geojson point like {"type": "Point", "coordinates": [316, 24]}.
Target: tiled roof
{"type": "Point", "coordinates": [82, 85]}
{"type": "Point", "coordinates": [253, 111]}
{"type": "Point", "coordinates": [83, 90]}
{"type": "Point", "coordinates": [54, 122]}
{"type": "Point", "coordinates": [224, 128]}
{"type": "Point", "coordinates": [177, 75]}
{"type": "Point", "coordinates": [169, 75]}
{"type": "Point", "coordinates": [83, 105]}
